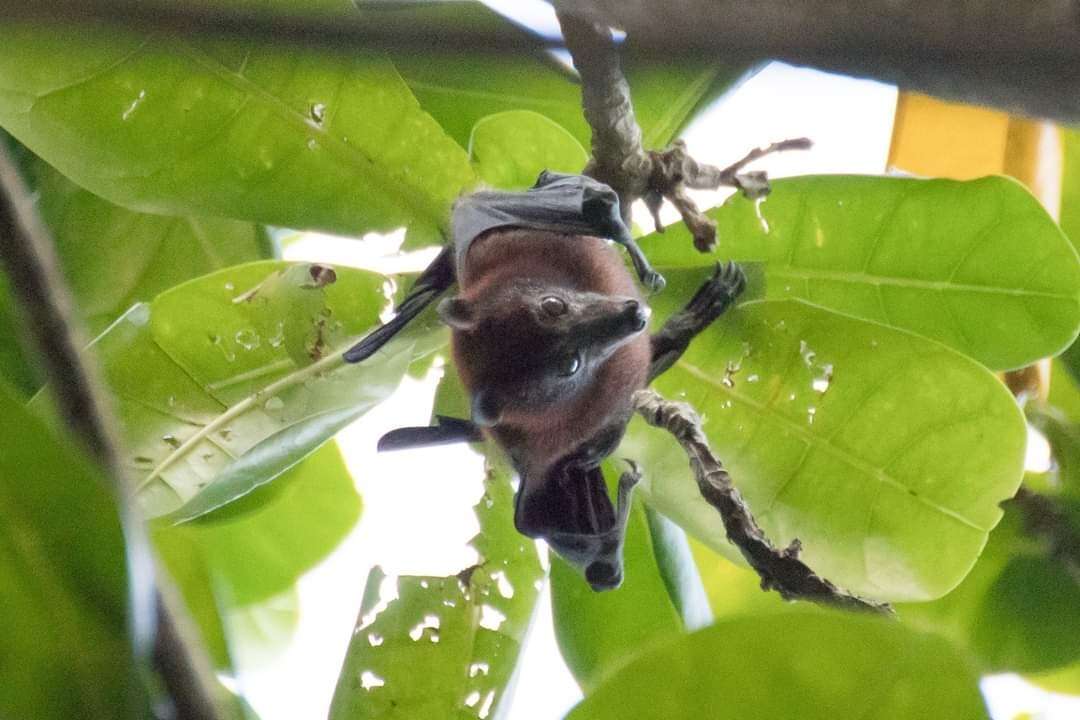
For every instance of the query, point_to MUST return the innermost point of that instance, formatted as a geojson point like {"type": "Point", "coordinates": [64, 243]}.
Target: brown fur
{"type": "Point", "coordinates": [535, 439]}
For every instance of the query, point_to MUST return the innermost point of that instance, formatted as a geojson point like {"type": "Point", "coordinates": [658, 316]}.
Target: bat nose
{"type": "Point", "coordinates": [603, 575]}
{"type": "Point", "coordinates": [639, 313]}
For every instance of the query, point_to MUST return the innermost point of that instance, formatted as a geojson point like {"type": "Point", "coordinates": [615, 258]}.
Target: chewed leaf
{"type": "Point", "coordinates": [884, 453]}
{"type": "Point", "coordinates": [445, 647]}
{"type": "Point", "coordinates": [202, 378]}
{"type": "Point", "coordinates": [977, 265]}
{"type": "Point", "coordinates": [245, 130]}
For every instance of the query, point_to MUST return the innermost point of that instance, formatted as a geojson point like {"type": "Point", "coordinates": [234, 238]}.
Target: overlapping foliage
{"type": "Point", "coordinates": [850, 393]}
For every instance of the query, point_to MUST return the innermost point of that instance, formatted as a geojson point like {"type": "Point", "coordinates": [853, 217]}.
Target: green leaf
{"type": "Point", "coordinates": [793, 667]}
{"type": "Point", "coordinates": [510, 149]}
{"type": "Point", "coordinates": [598, 633]}
{"type": "Point", "coordinates": [460, 89]}
{"type": "Point", "coordinates": [113, 257]}
{"type": "Point", "coordinates": [258, 132]}
{"type": "Point", "coordinates": [976, 265]}
{"type": "Point", "coordinates": [259, 545]}
{"type": "Point", "coordinates": [207, 391]}
{"type": "Point", "coordinates": [1065, 681]}
{"type": "Point", "coordinates": [16, 369]}
{"type": "Point", "coordinates": [885, 453]}
{"type": "Point", "coordinates": [1070, 186]}
{"type": "Point", "coordinates": [1015, 611]}
{"type": "Point", "coordinates": [1064, 438]}
{"type": "Point", "coordinates": [679, 571]}
{"type": "Point", "coordinates": [445, 647]}
{"type": "Point", "coordinates": [734, 589]}
{"type": "Point", "coordinates": [63, 586]}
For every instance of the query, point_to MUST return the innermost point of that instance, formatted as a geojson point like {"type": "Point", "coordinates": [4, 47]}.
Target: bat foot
{"type": "Point", "coordinates": [653, 281]}
{"type": "Point", "coordinates": [718, 292]}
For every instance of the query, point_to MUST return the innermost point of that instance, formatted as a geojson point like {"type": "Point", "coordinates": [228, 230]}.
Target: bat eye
{"type": "Point", "coordinates": [570, 365]}
{"type": "Point", "coordinates": [553, 306]}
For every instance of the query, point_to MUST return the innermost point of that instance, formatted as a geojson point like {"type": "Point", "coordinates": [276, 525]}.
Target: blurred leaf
{"type": "Point", "coordinates": [460, 89]}
{"type": "Point", "coordinates": [734, 589]}
{"type": "Point", "coordinates": [1070, 186]}
{"type": "Point", "coordinates": [183, 559]}
{"type": "Point", "coordinates": [445, 647]}
{"type": "Point", "coordinates": [259, 545]}
{"type": "Point", "coordinates": [207, 392]}
{"type": "Point", "coordinates": [63, 587]}
{"type": "Point", "coordinates": [679, 571]}
{"type": "Point", "coordinates": [1015, 611]}
{"type": "Point", "coordinates": [977, 265]}
{"type": "Point", "coordinates": [510, 149]}
{"type": "Point", "coordinates": [1066, 681]}
{"type": "Point", "coordinates": [259, 132]}
{"type": "Point", "coordinates": [598, 633]}
{"type": "Point", "coordinates": [1064, 438]}
{"type": "Point", "coordinates": [1064, 393]}
{"type": "Point", "coordinates": [793, 667]}
{"type": "Point", "coordinates": [885, 453]}
{"type": "Point", "coordinates": [260, 632]}
{"type": "Point", "coordinates": [113, 257]}
{"type": "Point", "coordinates": [16, 369]}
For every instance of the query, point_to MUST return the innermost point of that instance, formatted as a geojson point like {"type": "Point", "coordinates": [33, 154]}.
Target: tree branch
{"type": "Point", "coordinates": [1020, 56]}
{"type": "Point", "coordinates": [1023, 57]}
{"type": "Point", "coordinates": [780, 570]}
{"type": "Point", "coordinates": [618, 158]}
{"type": "Point", "coordinates": [28, 257]}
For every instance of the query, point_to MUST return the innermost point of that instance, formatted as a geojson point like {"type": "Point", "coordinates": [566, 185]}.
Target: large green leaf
{"type": "Point", "coordinates": [977, 265]}
{"type": "Point", "coordinates": [793, 667]}
{"type": "Point", "coordinates": [885, 453]}
{"type": "Point", "coordinates": [258, 132]}
{"type": "Point", "coordinates": [510, 149]}
{"type": "Point", "coordinates": [219, 381]}
{"type": "Point", "coordinates": [113, 257]}
{"type": "Point", "coordinates": [63, 586]}
{"type": "Point", "coordinates": [259, 545]}
{"type": "Point", "coordinates": [446, 647]}
{"type": "Point", "coordinates": [1015, 611]}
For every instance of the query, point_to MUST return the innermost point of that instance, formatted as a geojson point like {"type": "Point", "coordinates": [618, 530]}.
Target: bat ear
{"type": "Point", "coordinates": [457, 313]}
{"type": "Point", "coordinates": [486, 410]}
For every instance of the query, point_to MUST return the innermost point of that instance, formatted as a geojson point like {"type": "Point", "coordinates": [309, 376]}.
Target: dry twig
{"type": "Point", "coordinates": [780, 570]}
{"type": "Point", "coordinates": [618, 157]}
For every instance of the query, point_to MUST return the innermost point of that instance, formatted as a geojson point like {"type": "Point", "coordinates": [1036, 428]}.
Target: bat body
{"type": "Point", "coordinates": [549, 339]}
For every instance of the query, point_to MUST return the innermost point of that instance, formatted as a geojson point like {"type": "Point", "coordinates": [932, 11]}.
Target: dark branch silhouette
{"type": "Point", "coordinates": [28, 256]}
{"type": "Point", "coordinates": [780, 570]}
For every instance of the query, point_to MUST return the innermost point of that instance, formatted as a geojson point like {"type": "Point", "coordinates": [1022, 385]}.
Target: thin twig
{"type": "Point", "coordinates": [28, 257]}
{"type": "Point", "coordinates": [618, 157]}
{"type": "Point", "coordinates": [780, 570]}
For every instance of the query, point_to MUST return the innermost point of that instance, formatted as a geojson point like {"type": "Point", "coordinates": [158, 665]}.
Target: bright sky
{"type": "Point", "coordinates": [417, 515]}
